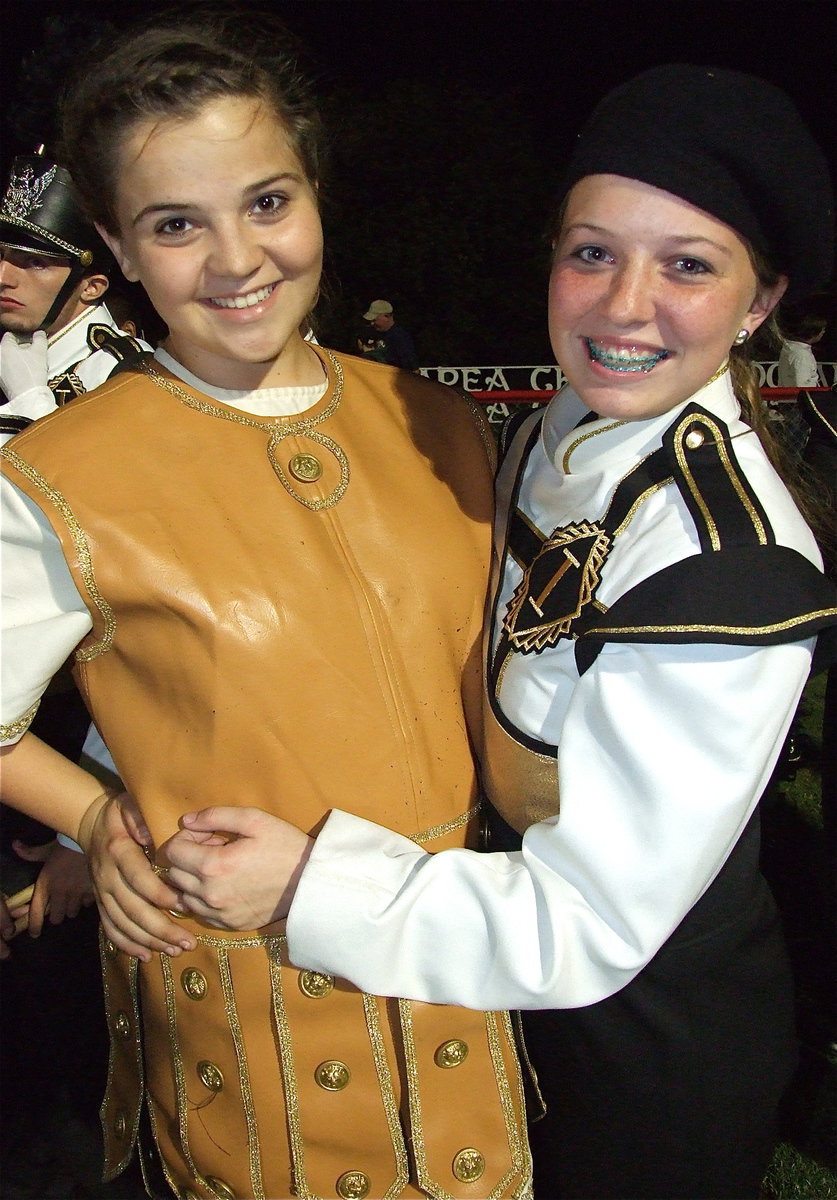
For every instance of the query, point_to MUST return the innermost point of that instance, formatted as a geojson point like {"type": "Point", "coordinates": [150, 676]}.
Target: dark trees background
{"type": "Point", "coordinates": [437, 202]}
{"type": "Point", "coordinates": [450, 121]}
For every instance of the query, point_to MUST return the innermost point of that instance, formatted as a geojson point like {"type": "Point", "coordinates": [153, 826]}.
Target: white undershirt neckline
{"type": "Point", "coordinates": [263, 402]}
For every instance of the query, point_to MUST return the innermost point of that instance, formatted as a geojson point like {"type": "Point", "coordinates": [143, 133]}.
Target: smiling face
{"type": "Point", "coordinates": [219, 223]}
{"type": "Point", "coordinates": [646, 296]}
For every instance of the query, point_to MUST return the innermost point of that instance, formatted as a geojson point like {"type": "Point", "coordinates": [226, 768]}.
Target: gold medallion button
{"type": "Point", "coordinates": [210, 1076]}
{"type": "Point", "coordinates": [332, 1075]}
{"type": "Point", "coordinates": [468, 1165]}
{"type": "Point", "coordinates": [110, 949]}
{"type": "Point", "coordinates": [315, 985]}
{"type": "Point", "coordinates": [122, 1025]}
{"type": "Point", "coordinates": [120, 1124]}
{"type": "Point", "coordinates": [193, 983]}
{"type": "Point", "coordinates": [353, 1185]}
{"type": "Point", "coordinates": [695, 439]}
{"type": "Point", "coordinates": [220, 1188]}
{"type": "Point", "coordinates": [451, 1054]}
{"type": "Point", "coordinates": [306, 468]}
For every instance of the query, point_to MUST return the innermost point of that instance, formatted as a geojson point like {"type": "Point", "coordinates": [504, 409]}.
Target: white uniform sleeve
{"type": "Point", "coordinates": [43, 616]}
{"type": "Point", "coordinates": [664, 754]}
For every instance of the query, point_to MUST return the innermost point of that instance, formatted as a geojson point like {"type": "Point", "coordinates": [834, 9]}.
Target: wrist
{"type": "Point", "coordinates": [91, 815]}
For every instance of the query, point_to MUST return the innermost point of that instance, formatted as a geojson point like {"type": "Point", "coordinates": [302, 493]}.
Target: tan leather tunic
{"type": "Point", "coordinates": [287, 615]}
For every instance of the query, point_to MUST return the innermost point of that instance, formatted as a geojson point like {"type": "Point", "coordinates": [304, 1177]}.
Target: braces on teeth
{"type": "Point", "coordinates": [624, 360]}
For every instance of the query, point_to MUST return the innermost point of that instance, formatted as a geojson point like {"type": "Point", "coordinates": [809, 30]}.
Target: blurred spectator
{"type": "Point", "coordinates": [801, 329]}
{"type": "Point", "coordinates": [398, 347]}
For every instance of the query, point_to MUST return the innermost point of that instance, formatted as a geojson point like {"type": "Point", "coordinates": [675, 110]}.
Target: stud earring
{"type": "Point", "coordinates": [741, 337]}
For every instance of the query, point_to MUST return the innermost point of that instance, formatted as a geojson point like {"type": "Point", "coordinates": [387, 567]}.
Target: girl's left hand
{"type": "Point", "coordinates": [236, 868]}
{"type": "Point", "coordinates": [133, 899]}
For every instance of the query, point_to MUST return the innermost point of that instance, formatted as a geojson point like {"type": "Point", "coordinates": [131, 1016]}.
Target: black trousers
{"type": "Point", "coordinates": [669, 1089]}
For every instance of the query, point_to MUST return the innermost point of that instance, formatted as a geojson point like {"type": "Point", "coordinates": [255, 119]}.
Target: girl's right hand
{"type": "Point", "coordinates": [133, 899]}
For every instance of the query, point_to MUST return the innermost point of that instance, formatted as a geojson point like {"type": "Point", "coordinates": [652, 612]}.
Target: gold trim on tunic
{"type": "Point", "coordinates": [279, 428]}
{"type": "Point", "coordinates": [85, 559]}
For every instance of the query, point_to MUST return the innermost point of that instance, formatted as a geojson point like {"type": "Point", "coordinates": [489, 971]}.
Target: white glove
{"type": "Point", "coordinates": [24, 374]}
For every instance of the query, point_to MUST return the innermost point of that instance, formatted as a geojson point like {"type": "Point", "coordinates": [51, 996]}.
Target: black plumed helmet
{"type": "Point", "coordinates": [39, 213]}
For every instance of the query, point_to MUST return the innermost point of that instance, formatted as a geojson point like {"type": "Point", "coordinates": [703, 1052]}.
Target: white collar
{"type": "Point", "coordinates": [69, 345]}
{"type": "Point", "coordinates": [574, 450]}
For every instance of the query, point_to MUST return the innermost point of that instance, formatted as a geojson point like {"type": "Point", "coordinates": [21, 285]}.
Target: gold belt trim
{"type": "Point", "coordinates": [427, 835]}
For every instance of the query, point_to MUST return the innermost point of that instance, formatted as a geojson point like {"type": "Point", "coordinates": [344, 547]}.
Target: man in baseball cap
{"type": "Point", "coordinates": [398, 347]}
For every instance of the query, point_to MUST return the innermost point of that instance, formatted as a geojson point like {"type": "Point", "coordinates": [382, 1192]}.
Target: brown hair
{"type": "Point", "coordinates": [170, 66]}
{"type": "Point", "coordinates": [795, 474]}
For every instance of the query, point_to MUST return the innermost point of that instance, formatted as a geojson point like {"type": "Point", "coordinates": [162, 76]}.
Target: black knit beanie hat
{"type": "Point", "coordinates": [732, 145]}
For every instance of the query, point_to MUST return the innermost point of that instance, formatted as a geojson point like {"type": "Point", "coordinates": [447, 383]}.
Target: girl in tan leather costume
{"type": "Point", "coordinates": [657, 604]}
{"type": "Point", "coordinates": [269, 561]}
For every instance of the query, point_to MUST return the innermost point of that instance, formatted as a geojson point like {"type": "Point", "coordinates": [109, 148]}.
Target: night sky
{"type": "Point", "coordinates": [561, 55]}
{"type": "Point", "coordinates": [549, 62]}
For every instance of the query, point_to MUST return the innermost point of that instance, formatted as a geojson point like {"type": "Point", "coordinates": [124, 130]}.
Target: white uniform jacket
{"type": "Point", "coordinates": [660, 718]}
{"type": "Point", "coordinates": [80, 356]}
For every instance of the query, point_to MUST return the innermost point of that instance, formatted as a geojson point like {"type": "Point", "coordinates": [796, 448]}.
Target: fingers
{"type": "Point", "coordinates": [135, 923]}
{"type": "Point", "coordinates": [189, 856]}
{"type": "Point", "coordinates": [38, 906]}
{"type": "Point", "coordinates": [156, 932]}
{"type": "Point", "coordinates": [223, 819]}
{"type": "Point", "coordinates": [63, 885]}
{"type": "Point", "coordinates": [132, 896]}
{"type": "Point", "coordinates": [7, 930]}
{"type": "Point", "coordinates": [72, 907]}
{"type": "Point", "coordinates": [134, 906]}
{"type": "Point", "coordinates": [33, 853]}
{"type": "Point", "coordinates": [134, 820]}
{"type": "Point", "coordinates": [129, 869]}
{"type": "Point", "coordinates": [138, 926]}
{"type": "Point", "coordinates": [194, 906]}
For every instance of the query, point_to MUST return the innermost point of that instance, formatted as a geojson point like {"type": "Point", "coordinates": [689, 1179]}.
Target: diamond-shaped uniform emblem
{"type": "Point", "coordinates": [556, 586]}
